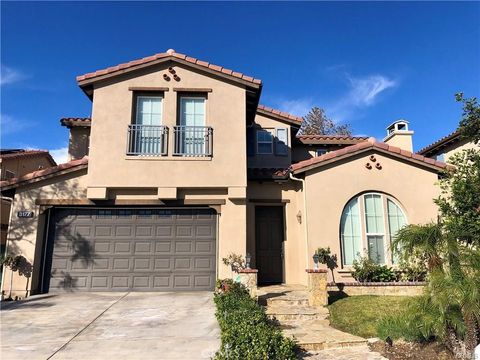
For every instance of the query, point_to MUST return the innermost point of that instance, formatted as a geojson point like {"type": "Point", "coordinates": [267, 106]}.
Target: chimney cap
{"type": "Point", "coordinates": [399, 121]}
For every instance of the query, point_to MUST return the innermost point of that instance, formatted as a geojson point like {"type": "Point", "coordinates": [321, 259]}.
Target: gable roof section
{"type": "Point", "coordinates": [370, 144]}
{"type": "Point", "coordinates": [279, 115]}
{"type": "Point", "coordinates": [50, 172]}
{"type": "Point", "coordinates": [70, 122]}
{"type": "Point", "coordinates": [170, 55]}
{"type": "Point", "coordinates": [6, 154]}
{"type": "Point", "coordinates": [331, 139]}
{"type": "Point", "coordinates": [435, 147]}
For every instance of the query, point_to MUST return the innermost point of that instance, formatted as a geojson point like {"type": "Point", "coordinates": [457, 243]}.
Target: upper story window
{"type": "Point", "coordinates": [281, 143]}
{"type": "Point", "coordinates": [369, 223]}
{"type": "Point", "coordinates": [192, 137]}
{"type": "Point", "coordinates": [149, 110]}
{"type": "Point", "coordinates": [264, 142]}
{"type": "Point", "coordinates": [146, 135]}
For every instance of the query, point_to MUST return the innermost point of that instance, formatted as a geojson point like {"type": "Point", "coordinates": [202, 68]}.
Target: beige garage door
{"type": "Point", "coordinates": [132, 249]}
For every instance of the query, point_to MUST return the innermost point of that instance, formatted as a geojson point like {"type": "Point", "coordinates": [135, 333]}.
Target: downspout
{"type": "Point", "coordinates": [305, 228]}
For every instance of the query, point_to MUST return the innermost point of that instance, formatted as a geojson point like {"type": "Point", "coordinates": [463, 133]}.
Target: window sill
{"type": "Point", "coordinates": [169, 158]}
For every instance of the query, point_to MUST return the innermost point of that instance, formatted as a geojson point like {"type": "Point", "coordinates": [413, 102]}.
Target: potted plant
{"type": "Point", "coordinates": [325, 257]}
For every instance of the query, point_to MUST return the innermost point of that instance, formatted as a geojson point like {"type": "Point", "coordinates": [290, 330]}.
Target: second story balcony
{"type": "Point", "coordinates": [153, 140]}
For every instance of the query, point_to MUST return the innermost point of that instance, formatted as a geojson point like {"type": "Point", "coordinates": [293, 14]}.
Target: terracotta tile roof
{"type": "Point", "coordinates": [331, 139]}
{"type": "Point", "coordinates": [432, 148]}
{"type": "Point", "coordinates": [75, 121]}
{"type": "Point", "coordinates": [44, 173]}
{"type": "Point", "coordinates": [267, 173]}
{"type": "Point", "coordinates": [21, 153]}
{"type": "Point", "coordinates": [262, 109]}
{"type": "Point", "coordinates": [371, 143]}
{"type": "Point", "coordinates": [169, 54]}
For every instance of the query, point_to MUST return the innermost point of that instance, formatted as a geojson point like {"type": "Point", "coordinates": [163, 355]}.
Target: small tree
{"type": "Point", "coordinates": [316, 122]}
{"type": "Point", "coordinates": [469, 126]}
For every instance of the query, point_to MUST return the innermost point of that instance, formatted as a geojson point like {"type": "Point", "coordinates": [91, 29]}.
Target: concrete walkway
{"type": "Point", "coordinates": [110, 326]}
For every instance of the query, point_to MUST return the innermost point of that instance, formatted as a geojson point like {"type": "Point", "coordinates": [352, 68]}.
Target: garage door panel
{"type": "Point", "coordinates": [134, 249]}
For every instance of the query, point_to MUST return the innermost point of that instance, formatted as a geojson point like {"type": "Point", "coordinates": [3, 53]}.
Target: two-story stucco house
{"type": "Point", "coordinates": [179, 166]}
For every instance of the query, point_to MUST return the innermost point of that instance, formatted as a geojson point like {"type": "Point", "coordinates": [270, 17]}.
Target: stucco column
{"type": "Point", "coordinates": [317, 287]}
{"type": "Point", "coordinates": [248, 277]}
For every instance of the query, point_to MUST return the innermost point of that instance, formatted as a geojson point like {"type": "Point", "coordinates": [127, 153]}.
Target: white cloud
{"type": "Point", "coordinates": [9, 75]}
{"type": "Point", "coordinates": [60, 155]}
{"type": "Point", "coordinates": [10, 125]}
{"type": "Point", "coordinates": [364, 91]}
{"type": "Point", "coordinates": [298, 107]}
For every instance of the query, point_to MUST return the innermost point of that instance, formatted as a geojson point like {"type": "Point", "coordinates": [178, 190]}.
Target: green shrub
{"type": "Point", "coordinates": [246, 332]}
{"type": "Point", "coordinates": [366, 270]}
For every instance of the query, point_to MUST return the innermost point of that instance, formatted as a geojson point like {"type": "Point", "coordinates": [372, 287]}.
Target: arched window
{"type": "Point", "coordinates": [369, 223]}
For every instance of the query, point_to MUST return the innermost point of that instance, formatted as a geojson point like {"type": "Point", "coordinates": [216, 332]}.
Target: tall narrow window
{"type": "Point", "coordinates": [145, 132]}
{"type": "Point", "coordinates": [281, 143]}
{"type": "Point", "coordinates": [192, 125]}
{"type": "Point", "coordinates": [264, 142]}
{"type": "Point", "coordinates": [375, 227]}
{"type": "Point", "coordinates": [351, 233]}
{"type": "Point", "coordinates": [396, 221]}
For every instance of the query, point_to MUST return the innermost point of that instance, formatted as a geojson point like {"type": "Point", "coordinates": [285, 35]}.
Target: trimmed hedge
{"type": "Point", "coordinates": [246, 332]}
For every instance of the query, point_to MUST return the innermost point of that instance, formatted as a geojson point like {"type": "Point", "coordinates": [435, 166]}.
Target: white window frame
{"type": "Point", "coordinates": [204, 99]}
{"type": "Point", "coordinates": [137, 109]}
{"type": "Point", "coordinates": [286, 141]}
{"type": "Point", "coordinates": [265, 142]}
{"type": "Point", "coordinates": [387, 236]}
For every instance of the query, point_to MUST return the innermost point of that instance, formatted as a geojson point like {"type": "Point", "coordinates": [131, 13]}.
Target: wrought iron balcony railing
{"type": "Point", "coordinates": [193, 141]}
{"type": "Point", "coordinates": [147, 140]}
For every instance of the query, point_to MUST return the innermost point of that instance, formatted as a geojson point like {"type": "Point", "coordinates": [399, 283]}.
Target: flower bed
{"type": "Point", "coordinates": [401, 288]}
{"type": "Point", "coordinates": [246, 332]}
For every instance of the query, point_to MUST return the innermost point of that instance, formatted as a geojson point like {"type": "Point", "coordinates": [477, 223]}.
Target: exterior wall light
{"type": "Point", "coordinates": [248, 258]}
{"type": "Point", "coordinates": [299, 217]}
{"type": "Point", "coordinates": [315, 261]}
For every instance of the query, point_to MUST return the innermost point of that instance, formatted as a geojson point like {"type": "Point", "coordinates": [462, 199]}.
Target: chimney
{"type": "Point", "coordinates": [398, 135]}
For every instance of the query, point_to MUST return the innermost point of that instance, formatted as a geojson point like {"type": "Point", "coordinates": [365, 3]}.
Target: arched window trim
{"type": "Point", "coordinates": [387, 236]}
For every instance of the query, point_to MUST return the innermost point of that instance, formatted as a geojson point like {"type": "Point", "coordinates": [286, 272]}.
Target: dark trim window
{"type": "Point", "coordinates": [264, 142]}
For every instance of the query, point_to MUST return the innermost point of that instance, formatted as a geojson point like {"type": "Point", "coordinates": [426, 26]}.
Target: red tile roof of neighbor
{"type": "Point", "coordinates": [267, 173]}
{"type": "Point", "coordinates": [170, 54]}
{"type": "Point", "coordinates": [432, 148]}
{"type": "Point", "coordinates": [371, 143]}
{"type": "Point", "coordinates": [331, 139]}
{"type": "Point", "coordinates": [21, 153]}
{"type": "Point", "coordinates": [38, 175]}
{"type": "Point", "coordinates": [282, 114]}
{"type": "Point", "coordinates": [75, 121]}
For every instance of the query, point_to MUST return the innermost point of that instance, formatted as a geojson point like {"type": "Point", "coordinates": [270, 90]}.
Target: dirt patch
{"type": "Point", "coordinates": [411, 351]}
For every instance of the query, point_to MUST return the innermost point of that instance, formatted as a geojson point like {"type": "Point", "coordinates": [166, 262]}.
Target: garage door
{"type": "Point", "coordinates": [132, 249]}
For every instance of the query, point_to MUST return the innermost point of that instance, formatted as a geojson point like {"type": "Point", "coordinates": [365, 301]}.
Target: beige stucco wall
{"type": "Point", "coordinates": [455, 148]}
{"type": "Point", "coordinates": [24, 165]}
{"type": "Point", "coordinates": [112, 113]}
{"type": "Point", "coordinates": [273, 160]}
{"type": "Point", "coordinates": [329, 189]}
{"type": "Point", "coordinates": [78, 142]}
{"type": "Point", "coordinates": [403, 140]}
{"type": "Point", "coordinates": [294, 246]}
{"type": "Point", "coordinates": [26, 235]}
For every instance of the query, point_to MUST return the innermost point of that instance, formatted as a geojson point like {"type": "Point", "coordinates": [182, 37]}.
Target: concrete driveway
{"type": "Point", "coordinates": [110, 326]}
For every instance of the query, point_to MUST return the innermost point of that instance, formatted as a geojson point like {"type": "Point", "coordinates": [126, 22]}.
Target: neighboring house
{"type": "Point", "coordinates": [16, 163]}
{"type": "Point", "coordinates": [444, 148]}
{"type": "Point", "coordinates": [185, 167]}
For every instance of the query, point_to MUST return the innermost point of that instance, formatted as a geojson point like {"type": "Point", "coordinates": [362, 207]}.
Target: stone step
{"type": "Point", "coordinates": [288, 313]}
{"type": "Point", "coordinates": [300, 300]}
{"type": "Point", "coordinates": [313, 335]}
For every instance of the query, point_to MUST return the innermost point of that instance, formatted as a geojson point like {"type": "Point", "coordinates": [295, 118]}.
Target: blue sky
{"type": "Point", "coordinates": [366, 63]}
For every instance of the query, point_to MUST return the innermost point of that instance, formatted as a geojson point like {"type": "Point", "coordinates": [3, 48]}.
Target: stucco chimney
{"type": "Point", "coordinates": [399, 135]}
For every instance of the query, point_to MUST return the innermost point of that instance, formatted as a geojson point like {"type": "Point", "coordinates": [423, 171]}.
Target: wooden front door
{"type": "Point", "coordinates": [269, 244]}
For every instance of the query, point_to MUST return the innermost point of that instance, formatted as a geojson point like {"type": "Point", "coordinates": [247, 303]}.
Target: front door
{"type": "Point", "coordinates": [269, 244]}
